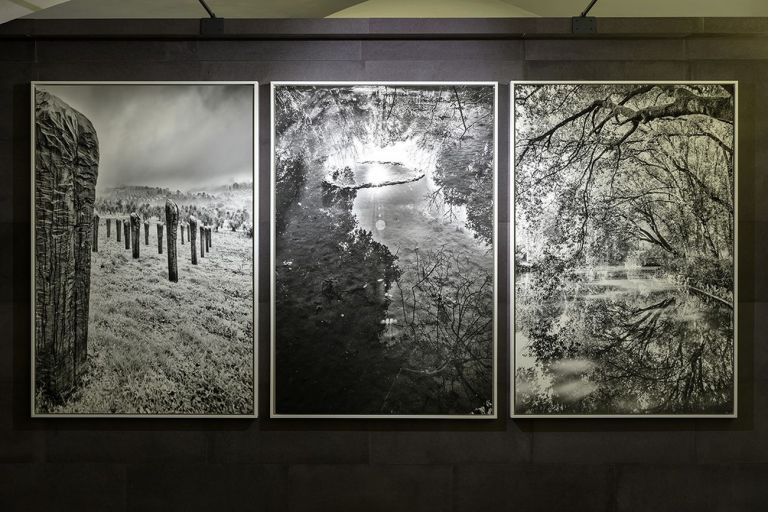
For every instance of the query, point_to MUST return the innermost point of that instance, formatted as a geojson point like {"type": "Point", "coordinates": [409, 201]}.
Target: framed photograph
{"type": "Point", "coordinates": [625, 228]}
{"type": "Point", "coordinates": [383, 232]}
{"type": "Point", "coordinates": [144, 228]}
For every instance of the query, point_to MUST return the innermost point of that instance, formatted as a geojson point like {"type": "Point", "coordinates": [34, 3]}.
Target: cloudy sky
{"type": "Point", "coordinates": [185, 137]}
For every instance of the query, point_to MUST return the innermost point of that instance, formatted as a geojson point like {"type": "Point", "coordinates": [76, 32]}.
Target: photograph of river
{"type": "Point", "coordinates": [624, 205]}
{"type": "Point", "coordinates": [384, 253]}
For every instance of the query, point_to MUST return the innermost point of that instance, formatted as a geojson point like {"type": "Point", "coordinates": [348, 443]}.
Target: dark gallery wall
{"type": "Point", "coordinates": [593, 465]}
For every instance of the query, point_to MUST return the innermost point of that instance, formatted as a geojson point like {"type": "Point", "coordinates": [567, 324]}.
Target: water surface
{"type": "Point", "coordinates": [621, 340]}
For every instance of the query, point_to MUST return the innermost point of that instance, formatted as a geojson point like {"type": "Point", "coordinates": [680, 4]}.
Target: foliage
{"type": "Point", "coordinates": [624, 227]}
{"type": "Point", "coordinates": [625, 168]}
{"type": "Point", "coordinates": [339, 347]}
{"type": "Point", "coordinates": [227, 205]}
{"type": "Point", "coordinates": [446, 314]}
{"type": "Point", "coordinates": [470, 185]}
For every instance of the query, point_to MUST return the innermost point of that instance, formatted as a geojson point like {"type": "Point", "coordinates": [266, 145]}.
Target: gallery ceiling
{"type": "Point", "coordinates": [58, 9]}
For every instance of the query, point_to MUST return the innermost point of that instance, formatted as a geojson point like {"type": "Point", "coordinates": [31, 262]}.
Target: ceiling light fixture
{"type": "Point", "coordinates": [584, 24]}
{"type": "Point", "coordinates": [212, 24]}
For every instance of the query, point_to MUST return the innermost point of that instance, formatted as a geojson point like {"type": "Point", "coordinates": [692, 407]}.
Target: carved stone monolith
{"type": "Point", "coordinates": [95, 231]}
{"type": "Point", "coordinates": [127, 233]}
{"type": "Point", "coordinates": [159, 238]}
{"type": "Point", "coordinates": [66, 168]}
{"type": "Point", "coordinates": [192, 233]}
{"type": "Point", "coordinates": [172, 221]}
{"type": "Point", "coordinates": [135, 234]}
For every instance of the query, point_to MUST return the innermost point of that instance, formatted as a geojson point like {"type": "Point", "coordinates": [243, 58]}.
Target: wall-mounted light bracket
{"type": "Point", "coordinates": [584, 25]}
{"type": "Point", "coordinates": [211, 26]}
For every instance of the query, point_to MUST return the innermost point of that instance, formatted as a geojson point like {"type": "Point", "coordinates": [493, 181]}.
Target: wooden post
{"type": "Point", "coordinates": [172, 221]}
{"type": "Point", "coordinates": [95, 245]}
{"type": "Point", "coordinates": [66, 160]}
{"type": "Point", "coordinates": [159, 238]}
{"type": "Point", "coordinates": [117, 229]}
{"type": "Point", "coordinates": [192, 231]}
{"type": "Point", "coordinates": [127, 233]}
{"type": "Point", "coordinates": [210, 236]}
{"type": "Point", "coordinates": [183, 228]}
{"type": "Point", "coordinates": [202, 242]}
{"type": "Point", "coordinates": [135, 234]}
{"type": "Point", "coordinates": [207, 239]}
{"type": "Point", "coordinates": [146, 232]}
{"type": "Point", "coordinates": [109, 227]}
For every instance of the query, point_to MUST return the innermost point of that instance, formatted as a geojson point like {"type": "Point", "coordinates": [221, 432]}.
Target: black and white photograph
{"type": "Point", "coordinates": [624, 236]}
{"type": "Point", "coordinates": [143, 249]}
{"type": "Point", "coordinates": [384, 249]}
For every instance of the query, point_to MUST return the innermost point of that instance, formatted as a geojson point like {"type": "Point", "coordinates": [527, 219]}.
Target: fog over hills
{"type": "Point", "coordinates": [178, 136]}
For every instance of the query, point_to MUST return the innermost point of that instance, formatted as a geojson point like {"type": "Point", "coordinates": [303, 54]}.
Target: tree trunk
{"type": "Point", "coordinates": [146, 232]}
{"type": "Point", "coordinates": [172, 220]}
{"type": "Point", "coordinates": [202, 242]}
{"type": "Point", "coordinates": [159, 238]}
{"type": "Point", "coordinates": [207, 239]}
{"type": "Point", "coordinates": [66, 169]}
{"type": "Point", "coordinates": [192, 232]}
{"type": "Point", "coordinates": [127, 233]}
{"type": "Point", "coordinates": [95, 230]}
{"type": "Point", "coordinates": [109, 227]}
{"type": "Point", "coordinates": [118, 230]}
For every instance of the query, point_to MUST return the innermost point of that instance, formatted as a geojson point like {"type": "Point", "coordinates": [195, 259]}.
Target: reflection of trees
{"type": "Point", "coordinates": [333, 297]}
{"type": "Point", "coordinates": [666, 356]}
{"type": "Point", "coordinates": [331, 283]}
{"type": "Point", "coordinates": [663, 363]}
{"type": "Point", "coordinates": [465, 178]}
{"type": "Point", "coordinates": [456, 123]}
{"type": "Point", "coordinates": [290, 177]}
{"type": "Point", "coordinates": [614, 174]}
{"type": "Point", "coordinates": [445, 308]}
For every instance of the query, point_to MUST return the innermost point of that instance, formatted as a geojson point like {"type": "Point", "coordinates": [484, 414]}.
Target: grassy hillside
{"type": "Point", "coordinates": [157, 347]}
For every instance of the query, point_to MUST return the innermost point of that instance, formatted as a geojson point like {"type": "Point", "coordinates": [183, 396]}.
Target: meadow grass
{"type": "Point", "coordinates": [157, 347]}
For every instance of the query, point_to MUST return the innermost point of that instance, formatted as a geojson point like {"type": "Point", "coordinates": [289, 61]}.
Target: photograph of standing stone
{"type": "Point", "coordinates": [384, 249]}
{"type": "Point", "coordinates": [131, 316]}
{"type": "Point", "coordinates": [624, 269]}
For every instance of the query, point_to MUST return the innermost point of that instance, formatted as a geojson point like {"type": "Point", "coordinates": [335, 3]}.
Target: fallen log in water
{"type": "Point", "coordinates": [373, 185]}
{"type": "Point", "coordinates": [711, 296]}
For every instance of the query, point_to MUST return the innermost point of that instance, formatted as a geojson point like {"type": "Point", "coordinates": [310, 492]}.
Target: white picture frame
{"type": "Point", "coordinates": [513, 221]}
{"type": "Point", "coordinates": [274, 413]}
{"type": "Point", "coordinates": [254, 111]}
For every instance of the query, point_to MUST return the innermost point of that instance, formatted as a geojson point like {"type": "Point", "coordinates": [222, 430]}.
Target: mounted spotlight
{"type": "Point", "coordinates": [584, 24]}
{"type": "Point", "coordinates": [211, 24]}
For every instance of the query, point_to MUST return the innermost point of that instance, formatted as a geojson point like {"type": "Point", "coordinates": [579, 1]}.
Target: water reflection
{"type": "Point", "coordinates": [387, 307]}
{"type": "Point", "coordinates": [620, 341]}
